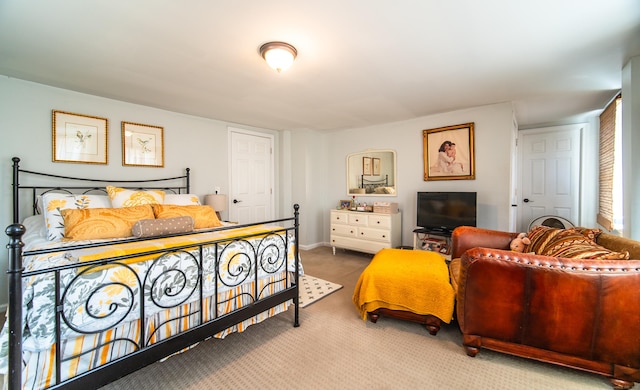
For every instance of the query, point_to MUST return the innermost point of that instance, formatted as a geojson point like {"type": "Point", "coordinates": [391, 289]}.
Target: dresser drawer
{"type": "Point", "coordinates": [344, 230]}
{"type": "Point", "coordinates": [374, 234]}
{"type": "Point", "coordinates": [358, 245]}
{"type": "Point", "coordinates": [339, 218]}
{"type": "Point", "coordinates": [358, 219]}
{"type": "Point", "coordinates": [379, 221]}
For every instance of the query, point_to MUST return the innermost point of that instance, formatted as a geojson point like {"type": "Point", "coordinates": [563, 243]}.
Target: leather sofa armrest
{"type": "Point", "coordinates": [464, 238]}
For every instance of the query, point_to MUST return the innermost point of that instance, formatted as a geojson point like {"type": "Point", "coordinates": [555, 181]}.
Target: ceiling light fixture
{"type": "Point", "coordinates": [279, 55]}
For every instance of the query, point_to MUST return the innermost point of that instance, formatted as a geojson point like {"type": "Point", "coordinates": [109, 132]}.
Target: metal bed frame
{"type": "Point", "coordinates": [144, 353]}
{"type": "Point", "coordinates": [370, 185]}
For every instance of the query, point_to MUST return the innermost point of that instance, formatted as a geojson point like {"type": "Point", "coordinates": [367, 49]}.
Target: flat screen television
{"type": "Point", "coordinates": [445, 211]}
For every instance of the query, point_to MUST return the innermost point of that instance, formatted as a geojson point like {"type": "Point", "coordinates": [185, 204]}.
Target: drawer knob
{"type": "Point", "coordinates": [383, 236]}
{"type": "Point", "coordinates": [357, 220]}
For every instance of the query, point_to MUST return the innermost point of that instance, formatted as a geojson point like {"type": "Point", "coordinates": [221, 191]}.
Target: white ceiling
{"type": "Point", "coordinates": [359, 63]}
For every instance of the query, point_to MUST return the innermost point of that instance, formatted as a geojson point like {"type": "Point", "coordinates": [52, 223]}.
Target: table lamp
{"type": "Point", "coordinates": [217, 201]}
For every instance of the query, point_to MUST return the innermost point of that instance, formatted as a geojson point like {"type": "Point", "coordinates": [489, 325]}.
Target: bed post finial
{"type": "Point", "coordinates": [188, 186]}
{"type": "Point", "coordinates": [15, 232]}
{"type": "Point", "coordinates": [16, 186]}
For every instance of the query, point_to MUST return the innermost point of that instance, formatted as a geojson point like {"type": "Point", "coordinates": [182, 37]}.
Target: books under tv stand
{"type": "Point", "coordinates": [435, 240]}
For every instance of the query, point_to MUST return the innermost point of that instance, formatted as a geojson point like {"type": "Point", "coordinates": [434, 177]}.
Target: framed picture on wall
{"type": "Point", "coordinates": [142, 145]}
{"type": "Point", "coordinates": [449, 153]}
{"type": "Point", "coordinates": [366, 166]}
{"type": "Point", "coordinates": [375, 168]}
{"type": "Point", "coordinates": [79, 138]}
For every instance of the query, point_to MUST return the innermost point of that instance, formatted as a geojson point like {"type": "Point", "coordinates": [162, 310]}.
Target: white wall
{"type": "Point", "coordinates": [493, 124]}
{"type": "Point", "coordinates": [25, 126]}
{"type": "Point", "coordinates": [309, 184]}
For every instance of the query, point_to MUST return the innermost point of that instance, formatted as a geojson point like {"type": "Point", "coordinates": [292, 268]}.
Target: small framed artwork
{"type": "Point", "coordinates": [449, 153]}
{"type": "Point", "coordinates": [366, 166]}
{"type": "Point", "coordinates": [79, 138]}
{"type": "Point", "coordinates": [375, 167]}
{"type": "Point", "coordinates": [142, 145]}
{"type": "Point", "coordinates": [345, 204]}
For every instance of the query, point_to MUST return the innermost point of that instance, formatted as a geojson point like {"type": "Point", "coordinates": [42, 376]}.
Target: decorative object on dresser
{"type": "Point", "coordinates": [218, 202]}
{"type": "Point", "coordinates": [385, 207]}
{"type": "Point", "coordinates": [448, 153]}
{"type": "Point", "coordinates": [345, 204]}
{"type": "Point", "coordinates": [142, 145]}
{"type": "Point", "coordinates": [79, 138]}
{"type": "Point", "coordinates": [365, 232]}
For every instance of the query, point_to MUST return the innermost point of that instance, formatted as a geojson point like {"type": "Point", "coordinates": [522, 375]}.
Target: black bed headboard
{"type": "Point", "coordinates": [176, 184]}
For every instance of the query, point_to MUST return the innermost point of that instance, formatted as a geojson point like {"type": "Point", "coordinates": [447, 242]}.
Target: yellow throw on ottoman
{"type": "Point", "coordinates": [407, 284]}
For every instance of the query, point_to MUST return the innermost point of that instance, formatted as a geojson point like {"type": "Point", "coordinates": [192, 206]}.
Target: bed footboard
{"type": "Point", "coordinates": [202, 320]}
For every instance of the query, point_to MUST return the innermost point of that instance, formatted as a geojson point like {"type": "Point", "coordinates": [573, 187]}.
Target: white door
{"type": "Point", "coordinates": [549, 173]}
{"type": "Point", "coordinates": [251, 177]}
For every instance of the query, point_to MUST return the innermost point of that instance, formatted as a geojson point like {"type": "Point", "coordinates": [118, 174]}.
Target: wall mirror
{"type": "Point", "coordinates": [372, 173]}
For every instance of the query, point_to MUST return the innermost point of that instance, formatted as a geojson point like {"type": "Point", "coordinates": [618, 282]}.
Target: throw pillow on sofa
{"type": "Point", "coordinates": [572, 243]}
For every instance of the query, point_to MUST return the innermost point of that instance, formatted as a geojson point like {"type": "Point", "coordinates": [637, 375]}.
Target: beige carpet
{"type": "Point", "coordinates": [335, 349]}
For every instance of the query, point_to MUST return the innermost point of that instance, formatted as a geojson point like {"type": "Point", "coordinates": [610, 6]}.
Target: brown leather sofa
{"type": "Point", "coordinates": [583, 314]}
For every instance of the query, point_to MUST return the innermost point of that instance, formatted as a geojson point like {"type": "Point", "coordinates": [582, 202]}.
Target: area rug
{"type": "Point", "coordinates": [313, 289]}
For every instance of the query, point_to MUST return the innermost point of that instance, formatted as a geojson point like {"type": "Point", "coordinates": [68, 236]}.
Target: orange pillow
{"type": "Point", "coordinates": [203, 216]}
{"type": "Point", "coordinates": [92, 224]}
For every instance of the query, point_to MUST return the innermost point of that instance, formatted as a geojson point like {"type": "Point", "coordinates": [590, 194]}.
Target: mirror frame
{"type": "Point", "coordinates": [355, 169]}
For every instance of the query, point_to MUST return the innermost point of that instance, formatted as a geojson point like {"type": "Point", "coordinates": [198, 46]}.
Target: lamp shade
{"type": "Point", "coordinates": [217, 201]}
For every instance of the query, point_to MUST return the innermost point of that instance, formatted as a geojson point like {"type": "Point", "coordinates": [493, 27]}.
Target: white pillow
{"type": "Point", "coordinates": [182, 199]}
{"type": "Point", "coordinates": [52, 203]}
{"type": "Point", "coordinates": [122, 197]}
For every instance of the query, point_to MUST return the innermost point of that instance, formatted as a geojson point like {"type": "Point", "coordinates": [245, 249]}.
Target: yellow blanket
{"type": "Point", "coordinates": [409, 280]}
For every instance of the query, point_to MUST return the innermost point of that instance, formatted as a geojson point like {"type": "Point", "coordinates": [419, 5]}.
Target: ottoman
{"type": "Point", "coordinates": [407, 284]}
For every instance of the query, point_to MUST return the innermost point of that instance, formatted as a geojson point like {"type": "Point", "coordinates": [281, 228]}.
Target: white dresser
{"type": "Point", "coordinates": [365, 232]}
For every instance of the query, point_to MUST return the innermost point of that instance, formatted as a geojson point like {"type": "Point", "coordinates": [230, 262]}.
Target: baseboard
{"type": "Point", "coordinates": [312, 246]}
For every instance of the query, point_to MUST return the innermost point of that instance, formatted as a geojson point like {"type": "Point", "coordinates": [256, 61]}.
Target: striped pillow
{"type": "Point", "coordinates": [574, 243]}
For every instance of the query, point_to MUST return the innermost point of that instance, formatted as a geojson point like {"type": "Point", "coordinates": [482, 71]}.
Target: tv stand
{"type": "Point", "coordinates": [435, 240]}
{"type": "Point", "coordinates": [439, 232]}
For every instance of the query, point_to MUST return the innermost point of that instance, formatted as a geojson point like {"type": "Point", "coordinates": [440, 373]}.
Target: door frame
{"type": "Point", "coordinates": [271, 138]}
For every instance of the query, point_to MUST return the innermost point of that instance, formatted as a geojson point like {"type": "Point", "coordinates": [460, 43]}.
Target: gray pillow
{"type": "Point", "coordinates": [163, 226]}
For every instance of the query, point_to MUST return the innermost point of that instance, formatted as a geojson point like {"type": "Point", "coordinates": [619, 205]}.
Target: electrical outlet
{"type": "Point", "coordinates": [217, 190]}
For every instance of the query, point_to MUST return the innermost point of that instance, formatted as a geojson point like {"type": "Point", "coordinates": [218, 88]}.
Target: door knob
{"type": "Point", "coordinates": [526, 200]}
{"type": "Point", "coordinates": [236, 201]}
